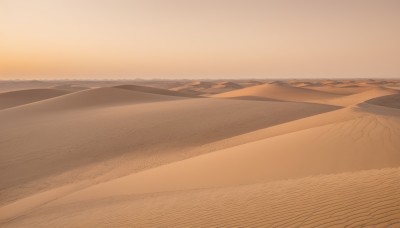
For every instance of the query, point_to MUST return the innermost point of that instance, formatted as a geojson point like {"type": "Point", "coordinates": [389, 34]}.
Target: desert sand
{"type": "Point", "coordinates": [186, 153]}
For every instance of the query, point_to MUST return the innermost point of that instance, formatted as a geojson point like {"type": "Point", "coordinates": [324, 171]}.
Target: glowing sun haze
{"type": "Point", "coordinates": [199, 38]}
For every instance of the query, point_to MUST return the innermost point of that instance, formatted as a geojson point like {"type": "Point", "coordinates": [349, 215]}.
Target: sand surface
{"type": "Point", "coordinates": [252, 153]}
{"type": "Point", "coordinates": [21, 97]}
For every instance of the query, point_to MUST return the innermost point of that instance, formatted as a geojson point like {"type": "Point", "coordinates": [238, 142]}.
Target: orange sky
{"type": "Point", "coordinates": [199, 38]}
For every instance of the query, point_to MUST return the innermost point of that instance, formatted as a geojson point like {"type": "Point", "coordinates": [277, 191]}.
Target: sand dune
{"type": "Point", "coordinates": [146, 89]}
{"type": "Point", "coordinates": [358, 98]}
{"type": "Point", "coordinates": [82, 136]}
{"type": "Point", "coordinates": [391, 101]}
{"type": "Point", "coordinates": [71, 87]}
{"type": "Point", "coordinates": [195, 87]}
{"type": "Point", "coordinates": [98, 98]}
{"type": "Point", "coordinates": [227, 85]}
{"type": "Point", "coordinates": [21, 97]}
{"type": "Point", "coordinates": [357, 146]}
{"type": "Point", "coordinates": [271, 155]}
{"type": "Point", "coordinates": [204, 87]}
{"type": "Point", "coordinates": [367, 198]}
{"type": "Point", "coordinates": [248, 83]}
{"type": "Point", "coordinates": [340, 90]}
{"type": "Point", "coordinates": [8, 86]}
{"type": "Point", "coordinates": [280, 92]}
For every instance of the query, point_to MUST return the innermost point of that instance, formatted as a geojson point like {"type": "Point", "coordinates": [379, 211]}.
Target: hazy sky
{"type": "Point", "coordinates": [199, 38]}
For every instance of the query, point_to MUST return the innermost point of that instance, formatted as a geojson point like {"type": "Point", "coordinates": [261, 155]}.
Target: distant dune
{"type": "Point", "coordinates": [279, 92]}
{"type": "Point", "coordinates": [188, 153]}
{"type": "Point", "coordinates": [340, 90]}
{"type": "Point", "coordinates": [21, 97]}
{"type": "Point", "coordinates": [71, 87]}
{"type": "Point", "coordinates": [153, 90]}
{"type": "Point", "coordinates": [101, 97]}
{"type": "Point", "coordinates": [358, 98]}
{"type": "Point", "coordinates": [203, 87]}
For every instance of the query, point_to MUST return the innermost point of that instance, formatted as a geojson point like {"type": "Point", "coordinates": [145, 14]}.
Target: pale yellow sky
{"type": "Point", "coordinates": [199, 38]}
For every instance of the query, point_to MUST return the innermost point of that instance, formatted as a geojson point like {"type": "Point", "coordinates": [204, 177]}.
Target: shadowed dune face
{"type": "Point", "coordinates": [391, 101]}
{"type": "Point", "coordinates": [283, 153]}
{"type": "Point", "coordinates": [98, 98]}
{"type": "Point", "coordinates": [146, 89]}
{"type": "Point", "coordinates": [21, 97]}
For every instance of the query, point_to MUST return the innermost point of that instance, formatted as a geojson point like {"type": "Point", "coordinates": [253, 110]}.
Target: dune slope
{"type": "Point", "coordinates": [280, 92]}
{"type": "Point", "coordinates": [21, 97]}
{"type": "Point", "coordinates": [82, 140]}
{"type": "Point", "coordinates": [357, 98]}
{"type": "Point", "coordinates": [391, 101]}
{"type": "Point", "coordinates": [365, 142]}
{"type": "Point", "coordinates": [136, 156]}
{"type": "Point", "coordinates": [367, 198]}
{"type": "Point", "coordinates": [98, 98]}
{"type": "Point", "coordinates": [146, 89]}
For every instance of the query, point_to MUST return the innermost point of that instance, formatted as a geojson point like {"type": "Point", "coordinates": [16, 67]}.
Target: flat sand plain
{"type": "Point", "coordinates": [184, 153]}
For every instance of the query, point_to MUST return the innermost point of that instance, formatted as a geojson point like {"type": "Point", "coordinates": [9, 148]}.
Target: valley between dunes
{"type": "Point", "coordinates": [309, 153]}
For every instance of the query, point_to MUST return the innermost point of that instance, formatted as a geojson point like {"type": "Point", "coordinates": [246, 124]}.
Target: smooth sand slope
{"type": "Point", "coordinates": [367, 141]}
{"type": "Point", "coordinates": [21, 97]}
{"type": "Point", "coordinates": [357, 98]}
{"type": "Point", "coordinates": [98, 98]}
{"type": "Point", "coordinates": [344, 96]}
{"type": "Point", "coordinates": [91, 133]}
{"type": "Point", "coordinates": [367, 198]}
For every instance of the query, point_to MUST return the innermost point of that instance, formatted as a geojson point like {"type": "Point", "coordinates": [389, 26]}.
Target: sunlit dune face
{"type": "Point", "coordinates": [155, 38]}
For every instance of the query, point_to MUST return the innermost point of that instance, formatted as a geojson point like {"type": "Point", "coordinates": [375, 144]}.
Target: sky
{"type": "Point", "coordinates": [89, 39]}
